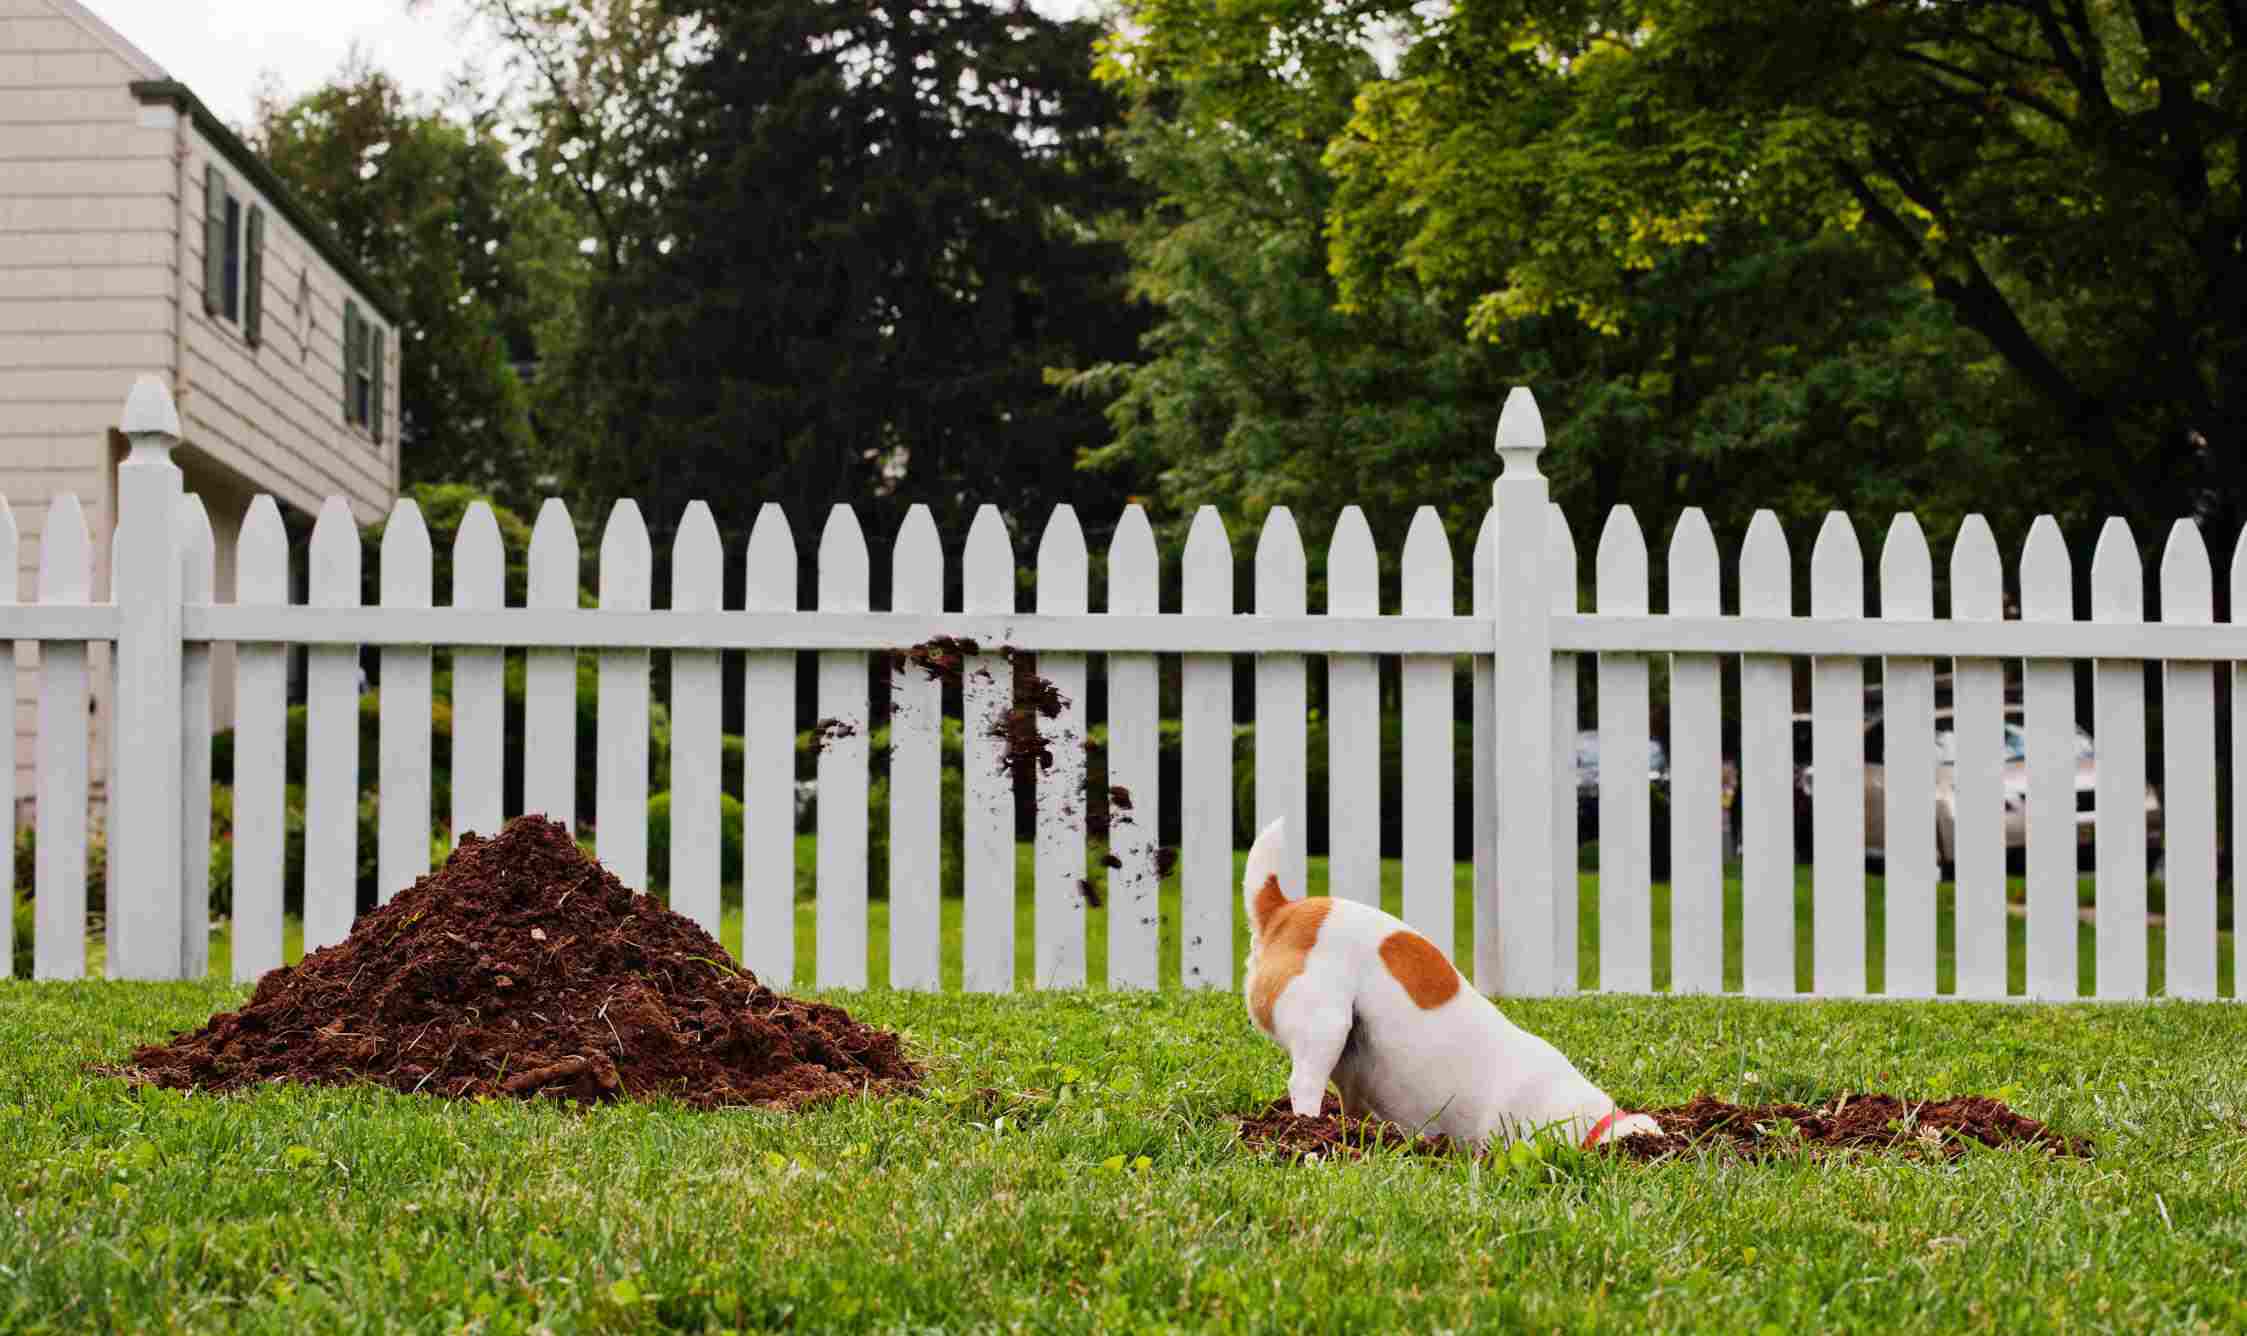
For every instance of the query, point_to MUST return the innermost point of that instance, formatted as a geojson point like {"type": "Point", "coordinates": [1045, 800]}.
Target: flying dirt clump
{"type": "Point", "coordinates": [525, 968]}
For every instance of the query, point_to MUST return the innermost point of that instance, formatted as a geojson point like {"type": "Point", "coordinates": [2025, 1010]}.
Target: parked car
{"type": "Point", "coordinates": [1658, 806]}
{"type": "Point", "coordinates": [2016, 785]}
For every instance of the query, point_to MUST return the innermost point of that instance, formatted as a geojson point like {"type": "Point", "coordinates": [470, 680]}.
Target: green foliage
{"type": "Point", "coordinates": [26, 861]}
{"type": "Point", "coordinates": [863, 278]}
{"type": "Point", "coordinates": [21, 947]}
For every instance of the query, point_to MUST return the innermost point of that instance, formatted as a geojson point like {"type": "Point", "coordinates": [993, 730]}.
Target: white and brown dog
{"type": "Point", "coordinates": [1357, 997]}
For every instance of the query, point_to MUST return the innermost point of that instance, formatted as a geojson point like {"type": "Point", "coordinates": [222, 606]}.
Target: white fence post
{"type": "Point", "coordinates": [1527, 938]}
{"type": "Point", "coordinates": [145, 896]}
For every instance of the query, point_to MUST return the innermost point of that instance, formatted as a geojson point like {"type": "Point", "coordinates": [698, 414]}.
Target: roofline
{"type": "Point", "coordinates": [246, 161]}
{"type": "Point", "coordinates": [143, 64]}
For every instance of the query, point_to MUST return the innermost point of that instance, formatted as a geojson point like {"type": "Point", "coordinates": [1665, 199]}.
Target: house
{"type": "Point", "coordinates": [139, 234]}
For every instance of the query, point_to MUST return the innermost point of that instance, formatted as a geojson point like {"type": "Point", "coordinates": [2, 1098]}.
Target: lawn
{"type": "Point", "coordinates": [1099, 1188]}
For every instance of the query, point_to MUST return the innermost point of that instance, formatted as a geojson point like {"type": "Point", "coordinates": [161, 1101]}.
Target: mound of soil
{"type": "Point", "coordinates": [525, 968]}
{"type": "Point", "coordinates": [1862, 1122]}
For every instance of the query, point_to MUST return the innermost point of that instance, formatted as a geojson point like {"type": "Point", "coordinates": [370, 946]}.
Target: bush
{"type": "Point", "coordinates": [21, 952]}
{"type": "Point", "coordinates": [97, 868]}
{"type": "Point", "coordinates": [659, 839]}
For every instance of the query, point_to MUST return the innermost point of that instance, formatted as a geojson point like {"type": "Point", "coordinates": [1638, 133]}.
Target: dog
{"type": "Point", "coordinates": [1358, 998]}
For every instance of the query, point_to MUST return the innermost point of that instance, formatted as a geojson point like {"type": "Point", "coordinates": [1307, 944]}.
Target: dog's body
{"type": "Point", "coordinates": [1355, 996]}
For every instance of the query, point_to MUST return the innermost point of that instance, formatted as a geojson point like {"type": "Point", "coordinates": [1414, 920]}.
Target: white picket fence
{"type": "Point", "coordinates": [1523, 637]}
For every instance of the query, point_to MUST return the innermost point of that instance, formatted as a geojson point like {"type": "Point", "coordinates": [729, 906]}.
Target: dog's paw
{"type": "Point", "coordinates": [1630, 1125]}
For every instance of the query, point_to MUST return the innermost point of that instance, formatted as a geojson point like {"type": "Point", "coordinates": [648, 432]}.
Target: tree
{"type": "Point", "coordinates": [480, 262]}
{"type": "Point", "coordinates": [875, 238]}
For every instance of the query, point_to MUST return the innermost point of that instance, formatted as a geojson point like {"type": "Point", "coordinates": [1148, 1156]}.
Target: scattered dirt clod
{"type": "Point", "coordinates": [1940, 1129]}
{"type": "Point", "coordinates": [628, 1000]}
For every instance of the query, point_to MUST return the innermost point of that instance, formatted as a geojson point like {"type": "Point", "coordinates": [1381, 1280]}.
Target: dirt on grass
{"type": "Point", "coordinates": [524, 968]}
{"type": "Point", "coordinates": [1890, 1124]}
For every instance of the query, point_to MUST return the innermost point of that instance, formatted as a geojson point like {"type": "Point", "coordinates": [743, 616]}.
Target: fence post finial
{"type": "Point", "coordinates": [147, 905]}
{"type": "Point", "coordinates": [1521, 434]}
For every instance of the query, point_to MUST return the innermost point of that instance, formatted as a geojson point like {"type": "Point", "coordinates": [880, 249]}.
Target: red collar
{"type": "Point", "coordinates": [1591, 1138]}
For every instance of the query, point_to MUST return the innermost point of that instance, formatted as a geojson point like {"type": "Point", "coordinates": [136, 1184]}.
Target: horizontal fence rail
{"type": "Point", "coordinates": [1702, 825]}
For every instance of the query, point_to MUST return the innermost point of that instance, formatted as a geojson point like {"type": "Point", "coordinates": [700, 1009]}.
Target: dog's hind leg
{"type": "Point", "coordinates": [1314, 1034]}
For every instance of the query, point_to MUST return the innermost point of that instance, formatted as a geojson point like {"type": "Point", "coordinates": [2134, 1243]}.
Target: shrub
{"type": "Point", "coordinates": [659, 839]}
{"type": "Point", "coordinates": [21, 953]}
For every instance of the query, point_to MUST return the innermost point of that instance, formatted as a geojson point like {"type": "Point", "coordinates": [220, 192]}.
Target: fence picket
{"type": "Point", "coordinates": [1560, 556]}
{"type": "Point", "coordinates": [331, 740]}
{"type": "Point", "coordinates": [1353, 720]}
{"type": "Point", "coordinates": [261, 702]}
{"type": "Point", "coordinates": [1908, 770]}
{"type": "Point", "coordinates": [8, 555]}
{"type": "Point", "coordinates": [1837, 768]}
{"type": "Point", "coordinates": [839, 942]}
{"type": "Point", "coordinates": [1064, 581]}
{"type": "Point", "coordinates": [1626, 913]}
{"type": "Point", "coordinates": [620, 779]}
{"type": "Point", "coordinates": [1484, 784]}
{"type": "Point", "coordinates": [550, 675]}
{"type": "Point", "coordinates": [697, 726]}
{"type": "Point", "coordinates": [1205, 773]}
{"type": "Point", "coordinates": [1427, 768]}
{"type": "Point", "coordinates": [2188, 749]}
{"type": "Point", "coordinates": [2238, 761]}
{"type": "Point", "coordinates": [2119, 729]}
{"type": "Point", "coordinates": [768, 784]}
{"type": "Point", "coordinates": [916, 776]}
{"type": "Point", "coordinates": [198, 576]}
{"type": "Point", "coordinates": [402, 809]}
{"type": "Point", "coordinates": [2048, 705]}
{"type": "Point", "coordinates": [1696, 751]}
{"type": "Point", "coordinates": [58, 939]}
{"type": "Point", "coordinates": [1767, 772]}
{"type": "Point", "coordinates": [102, 672]}
{"type": "Point", "coordinates": [1978, 772]}
{"type": "Point", "coordinates": [986, 694]}
{"type": "Point", "coordinates": [1283, 697]}
{"type": "Point", "coordinates": [1134, 766]}
{"type": "Point", "coordinates": [479, 680]}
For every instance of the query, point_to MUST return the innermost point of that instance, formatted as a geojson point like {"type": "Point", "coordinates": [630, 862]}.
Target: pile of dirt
{"type": "Point", "coordinates": [525, 968]}
{"type": "Point", "coordinates": [1850, 1122]}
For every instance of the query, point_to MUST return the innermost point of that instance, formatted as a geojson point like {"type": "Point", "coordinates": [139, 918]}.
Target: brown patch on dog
{"type": "Point", "coordinates": [1285, 939]}
{"type": "Point", "coordinates": [1270, 900]}
{"type": "Point", "coordinates": [1415, 962]}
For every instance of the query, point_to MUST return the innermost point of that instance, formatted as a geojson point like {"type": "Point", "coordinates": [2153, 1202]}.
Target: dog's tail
{"type": "Point", "coordinates": [1261, 890]}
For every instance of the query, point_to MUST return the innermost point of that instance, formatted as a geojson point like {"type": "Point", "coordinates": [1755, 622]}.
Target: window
{"type": "Point", "coordinates": [233, 257]}
{"type": "Point", "coordinates": [362, 370]}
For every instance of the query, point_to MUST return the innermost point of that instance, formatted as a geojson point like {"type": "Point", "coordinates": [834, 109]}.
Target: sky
{"type": "Point", "coordinates": [222, 48]}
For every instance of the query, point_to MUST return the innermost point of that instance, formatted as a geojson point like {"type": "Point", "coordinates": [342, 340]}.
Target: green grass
{"type": "Point", "coordinates": [1102, 1189]}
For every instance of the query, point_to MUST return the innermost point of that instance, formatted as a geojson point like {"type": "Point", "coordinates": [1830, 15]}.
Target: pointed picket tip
{"type": "Point", "coordinates": [149, 411]}
{"type": "Point", "coordinates": [334, 575]}
{"type": "Point", "coordinates": [627, 559]}
{"type": "Point", "coordinates": [197, 555]}
{"type": "Point", "coordinates": [1279, 546]}
{"type": "Point", "coordinates": [1521, 433]}
{"type": "Point", "coordinates": [1207, 578]}
{"type": "Point", "coordinates": [1560, 558]}
{"type": "Point", "coordinates": [1907, 571]}
{"type": "Point", "coordinates": [2187, 582]}
{"type": "Point", "coordinates": [918, 550]}
{"type": "Point", "coordinates": [2047, 590]}
{"type": "Point", "coordinates": [698, 560]}
{"type": "Point", "coordinates": [1695, 576]}
{"type": "Point", "coordinates": [261, 555]}
{"type": "Point", "coordinates": [1427, 566]}
{"type": "Point", "coordinates": [1134, 567]}
{"type": "Point", "coordinates": [987, 566]}
{"type": "Point", "coordinates": [1837, 569]}
{"type": "Point", "coordinates": [1766, 569]}
{"type": "Point", "coordinates": [771, 561]}
{"type": "Point", "coordinates": [1064, 568]}
{"type": "Point", "coordinates": [406, 559]}
{"type": "Point", "coordinates": [1619, 567]}
{"type": "Point", "coordinates": [1977, 573]}
{"type": "Point", "coordinates": [480, 561]}
{"type": "Point", "coordinates": [1485, 534]}
{"type": "Point", "coordinates": [1353, 567]}
{"type": "Point", "coordinates": [2239, 577]}
{"type": "Point", "coordinates": [843, 561]}
{"type": "Point", "coordinates": [2117, 574]}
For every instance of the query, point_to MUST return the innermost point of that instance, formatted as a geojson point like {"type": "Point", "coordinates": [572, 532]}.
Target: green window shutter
{"type": "Point", "coordinates": [374, 401]}
{"type": "Point", "coordinates": [253, 278]}
{"type": "Point", "coordinates": [214, 241]}
{"type": "Point", "coordinates": [350, 354]}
